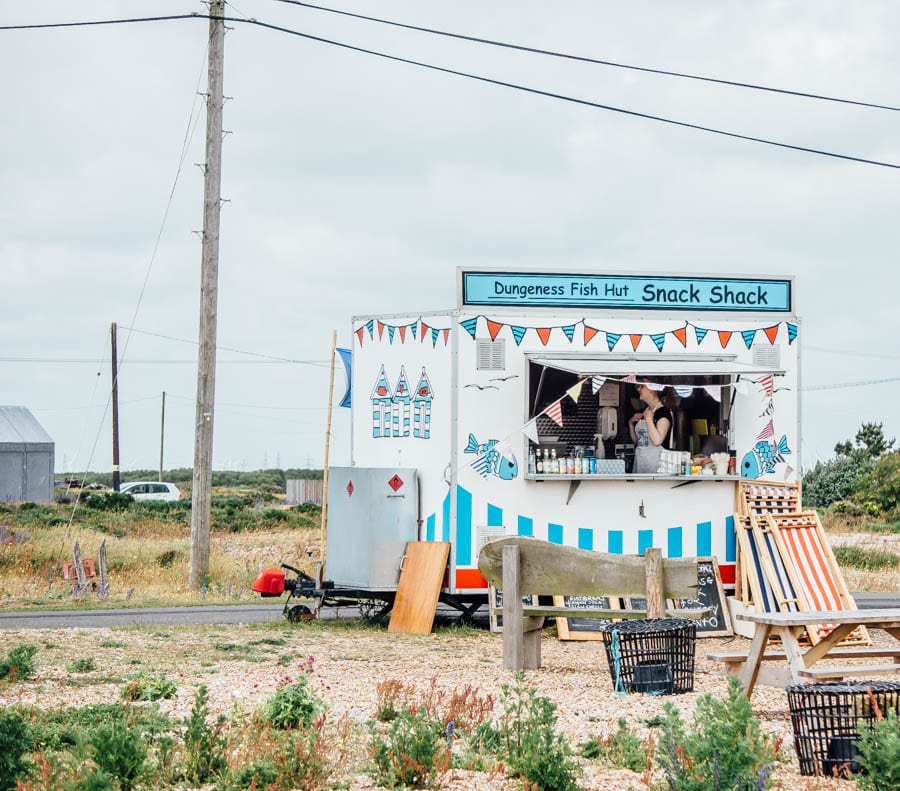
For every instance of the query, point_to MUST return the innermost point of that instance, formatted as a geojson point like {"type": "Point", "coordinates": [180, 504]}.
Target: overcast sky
{"type": "Point", "coordinates": [357, 185]}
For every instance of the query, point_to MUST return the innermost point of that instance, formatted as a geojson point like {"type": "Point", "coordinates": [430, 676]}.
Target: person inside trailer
{"type": "Point", "coordinates": [650, 429]}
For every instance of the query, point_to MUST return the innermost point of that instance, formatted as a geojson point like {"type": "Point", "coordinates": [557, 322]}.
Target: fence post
{"type": "Point", "coordinates": [653, 571]}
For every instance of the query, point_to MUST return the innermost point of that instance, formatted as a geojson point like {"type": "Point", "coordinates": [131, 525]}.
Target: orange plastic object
{"type": "Point", "coordinates": [270, 582]}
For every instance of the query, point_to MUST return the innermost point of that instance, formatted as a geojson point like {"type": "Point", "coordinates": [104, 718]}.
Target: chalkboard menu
{"type": "Point", "coordinates": [709, 594]}
{"type": "Point", "coordinates": [495, 603]}
{"type": "Point", "coordinates": [584, 628]}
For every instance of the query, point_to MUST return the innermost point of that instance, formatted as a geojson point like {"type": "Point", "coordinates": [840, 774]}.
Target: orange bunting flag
{"type": "Point", "coordinates": [446, 333]}
{"type": "Point", "coordinates": [635, 340]}
{"type": "Point", "coordinates": [425, 329]}
{"type": "Point", "coordinates": [544, 335]}
{"type": "Point", "coordinates": [554, 412]}
{"type": "Point", "coordinates": [359, 334]}
{"type": "Point", "coordinates": [493, 328]}
{"type": "Point", "coordinates": [771, 333]}
{"type": "Point", "coordinates": [724, 337]}
{"type": "Point", "coordinates": [402, 329]}
{"type": "Point", "coordinates": [681, 334]}
{"type": "Point", "coordinates": [589, 333]}
{"type": "Point", "coordinates": [380, 330]}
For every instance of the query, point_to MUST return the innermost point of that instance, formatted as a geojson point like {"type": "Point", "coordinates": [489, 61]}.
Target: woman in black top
{"type": "Point", "coordinates": [650, 430]}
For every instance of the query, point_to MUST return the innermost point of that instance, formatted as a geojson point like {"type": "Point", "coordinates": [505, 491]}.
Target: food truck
{"type": "Point", "coordinates": [510, 414]}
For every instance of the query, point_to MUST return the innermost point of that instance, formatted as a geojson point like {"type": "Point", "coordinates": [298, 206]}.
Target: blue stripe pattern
{"type": "Point", "coordinates": [463, 526]}
{"type": "Point", "coordinates": [730, 539]}
{"type": "Point", "coordinates": [704, 539]}
{"type": "Point", "coordinates": [645, 541]}
{"type": "Point", "coordinates": [585, 538]}
{"type": "Point", "coordinates": [614, 542]}
{"type": "Point", "coordinates": [525, 526]}
{"type": "Point", "coordinates": [429, 528]}
{"type": "Point", "coordinates": [554, 533]}
{"type": "Point", "coordinates": [494, 516]}
{"type": "Point", "coordinates": [675, 548]}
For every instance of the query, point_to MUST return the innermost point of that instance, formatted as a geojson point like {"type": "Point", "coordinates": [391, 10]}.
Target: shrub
{"type": "Point", "coordinates": [204, 745]}
{"type": "Point", "coordinates": [879, 754]}
{"type": "Point", "coordinates": [725, 751]}
{"type": "Point", "coordinates": [880, 486]}
{"type": "Point", "coordinates": [833, 480]}
{"type": "Point", "coordinates": [15, 742]}
{"type": "Point", "coordinates": [866, 559]}
{"type": "Point", "coordinates": [622, 749]}
{"type": "Point", "coordinates": [119, 750]}
{"type": "Point", "coordinates": [147, 687]}
{"type": "Point", "coordinates": [84, 664]}
{"type": "Point", "coordinates": [19, 663]}
{"type": "Point", "coordinates": [529, 742]}
{"type": "Point", "coordinates": [410, 752]}
{"type": "Point", "coordinates": [109, 501]}
{"type": "Point", "coordinates": [293, 705]}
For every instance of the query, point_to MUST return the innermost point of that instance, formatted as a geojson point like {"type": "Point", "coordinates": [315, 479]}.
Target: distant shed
{"type": "Point", "coordinates": [26, 457]}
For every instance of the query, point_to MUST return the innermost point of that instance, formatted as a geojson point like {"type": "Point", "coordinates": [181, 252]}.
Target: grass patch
{"type": "Point", "coordinates": [867, 559]}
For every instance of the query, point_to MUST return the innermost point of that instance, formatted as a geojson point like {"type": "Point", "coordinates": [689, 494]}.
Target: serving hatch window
{"type": "Point", "coordinates": [697, 390]}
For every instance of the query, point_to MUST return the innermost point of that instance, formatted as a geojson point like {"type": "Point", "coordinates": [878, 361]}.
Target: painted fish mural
{"type": "Point", "coordinates": [490, 461]}
{"type": "Point", "coordinates": [762, 458]}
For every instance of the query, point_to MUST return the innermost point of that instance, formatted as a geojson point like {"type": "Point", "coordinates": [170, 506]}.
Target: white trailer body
{"type": "Point", "coordinates": [462, 395]}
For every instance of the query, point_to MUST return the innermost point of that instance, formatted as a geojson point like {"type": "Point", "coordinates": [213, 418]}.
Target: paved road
{"type": "Point", "coordinates": [240, 613]}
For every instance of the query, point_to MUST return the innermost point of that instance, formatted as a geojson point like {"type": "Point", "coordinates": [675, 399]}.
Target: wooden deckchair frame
{"type": "Point", "coordinates": [800, 536]}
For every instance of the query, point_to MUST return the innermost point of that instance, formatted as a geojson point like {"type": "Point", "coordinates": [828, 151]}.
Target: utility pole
{"type": "Point", "coordinates": [162, 433]}
{"type": "Point", "coordinates": [115, 406]}
{"type": "Point", "coordinates": [209, 276]}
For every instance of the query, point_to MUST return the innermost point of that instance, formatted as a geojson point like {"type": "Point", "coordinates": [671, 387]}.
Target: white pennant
{"type": "Point", "coordinates": [530, 430]}
{"type": "Point", "coordinates": [715, 391]}
{"type": "Point", "coordinates": [597, 383]}
{"type": "Point", "coordinates": [575, 391]}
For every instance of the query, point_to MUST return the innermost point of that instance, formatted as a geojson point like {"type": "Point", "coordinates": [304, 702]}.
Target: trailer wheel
{"type": "Point", "coordinates": [299, 612]}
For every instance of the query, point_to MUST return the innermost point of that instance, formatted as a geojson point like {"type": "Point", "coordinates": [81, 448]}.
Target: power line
{"type": "Point", "coordinates": [842, 385]}
{"type": "Point", "coordinates": [91, 23]}
{"type": "Point", "coordinates": [151, 361]}
{"type": "Point", "coordinates": [563, 97]}
{"type": "Point", "coordinates": [585, 59]}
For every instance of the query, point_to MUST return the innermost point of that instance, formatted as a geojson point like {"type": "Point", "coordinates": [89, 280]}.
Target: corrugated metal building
{"type": "Point", "coordinates": [26, 457]}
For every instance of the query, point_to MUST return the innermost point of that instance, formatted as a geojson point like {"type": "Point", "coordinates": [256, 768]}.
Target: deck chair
{"type": "Point", "coordinates": [813, 571]}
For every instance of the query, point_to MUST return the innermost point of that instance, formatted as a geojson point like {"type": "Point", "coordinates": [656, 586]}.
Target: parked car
{"type": "Point", "coordinates": [151, 490]}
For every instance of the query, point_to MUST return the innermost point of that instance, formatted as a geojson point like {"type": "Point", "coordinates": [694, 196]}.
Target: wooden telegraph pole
{"type": "Point", "coordinates": [162, 433]}
{"type": "Point", "coordinates": [209, 275]}
{"type": "Point", "coordinates": [115, 406]}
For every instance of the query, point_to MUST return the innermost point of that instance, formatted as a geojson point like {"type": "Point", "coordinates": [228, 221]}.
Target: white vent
{"type": "Point", "coordinates": [484, 535]}
{"type": "Point", "coordinates": [490, 355]}
{"type": "Point", "coordinates": [767, 356]}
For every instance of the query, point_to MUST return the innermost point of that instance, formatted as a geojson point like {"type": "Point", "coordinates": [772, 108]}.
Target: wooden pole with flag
{"type": "Point", "coordinates": [323, 528]}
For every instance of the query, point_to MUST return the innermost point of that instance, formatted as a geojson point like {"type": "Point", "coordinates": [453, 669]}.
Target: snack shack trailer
{"type": "Point", "coordinates": [509, 415]}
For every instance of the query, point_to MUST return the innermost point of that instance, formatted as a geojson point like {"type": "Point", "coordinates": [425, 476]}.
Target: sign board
{"type": "Point", "coordinates": [495, 603]}
{"type": "Point", "coordinates": [584, 628]}
{"type": "Point", "coordinates": [709, 594]}
{"type": "Point", "coordinates": [486, 288]}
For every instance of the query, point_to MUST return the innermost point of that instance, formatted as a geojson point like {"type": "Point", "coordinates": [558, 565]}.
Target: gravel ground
{"type": "Point", "coordinates": [240, 665]}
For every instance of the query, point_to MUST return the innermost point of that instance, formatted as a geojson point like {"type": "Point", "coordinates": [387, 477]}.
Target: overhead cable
{"type": "Point", "coordinates": [585, 59]}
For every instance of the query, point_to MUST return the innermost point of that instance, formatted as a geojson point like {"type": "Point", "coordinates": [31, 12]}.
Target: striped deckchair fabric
{"type": "Point", "coordinates": [811, 566]}
{"type": "Point", "coordinates": [768, 497]}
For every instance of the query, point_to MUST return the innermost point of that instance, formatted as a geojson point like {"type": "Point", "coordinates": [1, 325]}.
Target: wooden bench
{"type": "Point", "coordinates": [522, 566]}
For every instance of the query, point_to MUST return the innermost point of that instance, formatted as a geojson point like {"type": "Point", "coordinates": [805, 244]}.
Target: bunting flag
{"type": "Point", "coordinates": [700, 333]}
{"type": "Point", "coordinates": [681, 335]}
{"type": "Point", "coordinates": [589, 333]}
{"type": "Point", "coordinates": [554, 412]}
{"type": "Point", "coordinates": [748, 336]}
{"type": "Point", "coordinates": [612, 339]}
{"type": "Point", "coordinates": [724, 337]}
{"type": "Point", "coordinates": [402, 329]}
{"type": "Point", "coordinates": [370, 325]}
{"type": "Point", "coordinates": [767, 383]}
{"type": "Point", "coordinates": [597, 383]}
{"type": "Point", "coordinates": [445, 331]}
{"type": "Point", "coordinates": [493, 328]}
{"type": "Point", "coordinates": [683, 391]}
{"type": "Point", "coordinates": [380, 330]}
{"type": "Point", "coordinates": [434, 335]}
{"type": "Point", "coordinates": [531, 431]}
{"type": "Point", "coordinates": [569, 331]}
{"type": "Point", "coordinates": [741, 387]}
{"type": "Point", "coordinates": [788, 471]}
{"type": "Point", "coordinates": [390, 334]}
{"type": "Point", "coordinates": [635, 340]}
{"type": "Point", "coordinates": [767, 433]}
{"type": "Point", "coordinates": [481, 465]}
{"type": "Point", "coordinates": [715, 391]}
{"type": "Point", "coordinates": [631, 378]}
{"type": "Point", "coordinates": [413, 328]}
{"type": "Point", "coordinates": [574, 392]}
{"type": "Point", "coordinates": [792, 333]}
{"type": "Point", "coordinates": [518, 334]}
{"type": "Point", "coordinates": [425, 329]}
{"type": "Point", "coordinates": [359, 334]}
{"type": "Point", "coordinates": [469, 326]}
{"type": "Point", "coordinates": [543, 334]}
{"type": "Point", "coordinates": [659, 339]}
{"type": "Point", "coordinates": [771, 333]}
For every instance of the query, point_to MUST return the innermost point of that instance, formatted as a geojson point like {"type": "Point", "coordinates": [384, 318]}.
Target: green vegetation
{"type": "Point", "coordinates": [19, 663]}
{"type": "Point", "coordinates": [622, 749]}
{"type": "Point", "coordinates": [867, 559]}
{"type": "Point", "coordinates": [15, 743]}
{"type": "Point", "coordinates": [864, 476]}
{"type": "Point", "coordinates": [144, 686]}
{"type": "Point", "coordinates": [879, 754]}
{"type": "Point", "coordinates": [725, 750]}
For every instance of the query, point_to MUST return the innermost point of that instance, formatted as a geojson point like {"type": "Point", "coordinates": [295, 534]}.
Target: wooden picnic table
{"type": "Point", "coordinates": [789, 626]}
